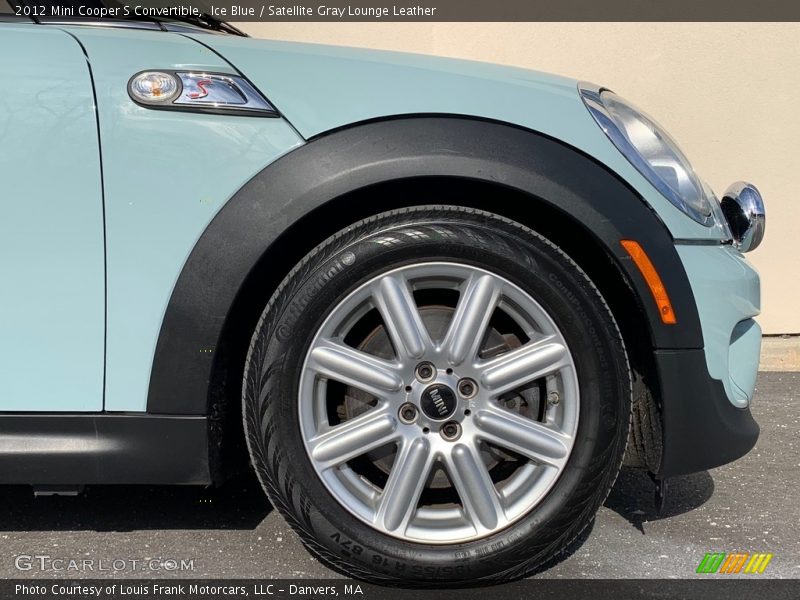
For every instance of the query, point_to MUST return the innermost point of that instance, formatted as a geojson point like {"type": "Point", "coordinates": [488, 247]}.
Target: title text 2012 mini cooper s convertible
{"type": "Point", "coordinates": [437, 303]}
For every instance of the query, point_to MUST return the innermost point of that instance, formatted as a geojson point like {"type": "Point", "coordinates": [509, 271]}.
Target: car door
{"type": "Point", "coordinates": [52, 271]}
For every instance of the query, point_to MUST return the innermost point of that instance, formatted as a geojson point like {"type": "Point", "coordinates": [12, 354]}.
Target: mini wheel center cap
{"type": "Point", "coordinates": [438, 402]}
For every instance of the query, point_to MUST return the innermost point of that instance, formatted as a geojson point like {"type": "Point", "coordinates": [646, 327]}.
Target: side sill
{"type": "Point", "coordinates": [78, 449]}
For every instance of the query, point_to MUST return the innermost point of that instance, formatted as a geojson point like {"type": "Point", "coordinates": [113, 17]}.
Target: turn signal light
{"type": "Point", "coordinates": [154, 87]}
{"type": "Point", "coordinates": [648, 271]}
{"type": "Point", "coordinates": [190, 91]}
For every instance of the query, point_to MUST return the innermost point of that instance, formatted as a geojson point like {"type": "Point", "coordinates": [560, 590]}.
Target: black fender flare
{"type": "Point", "coordinates": [366, 154]}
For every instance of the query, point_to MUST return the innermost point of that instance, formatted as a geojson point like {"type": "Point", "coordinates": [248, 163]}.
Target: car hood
{"type": "Point", "coordinates": [320, 88]}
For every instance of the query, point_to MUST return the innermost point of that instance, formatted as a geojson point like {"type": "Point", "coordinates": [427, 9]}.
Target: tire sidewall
{"type": "Point", "coordinates": [341, 265]}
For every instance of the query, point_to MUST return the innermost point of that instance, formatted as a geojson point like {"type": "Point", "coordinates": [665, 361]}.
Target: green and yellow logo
{"type": "Point", "coordinates": [735, 562]}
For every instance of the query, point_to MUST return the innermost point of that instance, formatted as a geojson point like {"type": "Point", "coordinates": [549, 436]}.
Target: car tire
{"type": "Point", "coordinates": [426, 533]}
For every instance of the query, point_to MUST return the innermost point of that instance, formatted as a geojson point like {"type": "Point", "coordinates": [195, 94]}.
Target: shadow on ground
{"type": "Point", "coordinates": [238, 504]}
{"type": "Point", "coordinates": [241, 504]}
{"type": "Point", "coordinates": [633, 496]}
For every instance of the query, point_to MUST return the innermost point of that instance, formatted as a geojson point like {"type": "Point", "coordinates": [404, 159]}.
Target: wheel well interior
{"type": "Point", "coordinates": [229, 453]}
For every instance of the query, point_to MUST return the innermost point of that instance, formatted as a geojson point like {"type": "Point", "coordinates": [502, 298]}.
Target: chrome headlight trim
{"type": "Point", "coordinates": [592, 98]}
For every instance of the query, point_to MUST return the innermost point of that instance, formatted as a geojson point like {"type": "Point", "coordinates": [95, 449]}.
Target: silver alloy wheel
{"type": "Point", "coordinates": [453, 436]}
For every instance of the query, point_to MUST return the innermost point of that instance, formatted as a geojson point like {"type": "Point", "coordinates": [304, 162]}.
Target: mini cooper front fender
{"type": "Point", "coordinates": [288, 195]}
{"type": "Point", "coordinates": [322, 88]}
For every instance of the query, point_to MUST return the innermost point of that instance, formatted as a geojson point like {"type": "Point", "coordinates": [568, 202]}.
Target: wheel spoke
{"type": "Point", "coordinates": [532, 361]}
{"type": "Point", "coordinates": [524, 436]}
{"type": "Point", "coordinates": [379, 371]}
{"type": "Point", "coordinates": [350, 366]}
{"type": "Point", "coordinates": [471, 318]}
{"type": "Point", "coordinates": [401, 493]}
{"type": "Point", "coordinates": [375, 428]}
{"type": "Point", "coordinates": [401, 316]}
{"type": "Point", "coordinates": [475, 487]}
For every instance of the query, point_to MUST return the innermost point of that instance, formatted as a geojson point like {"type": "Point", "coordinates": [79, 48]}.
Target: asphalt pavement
{"type": "Point", "coordinates": [232, 532]}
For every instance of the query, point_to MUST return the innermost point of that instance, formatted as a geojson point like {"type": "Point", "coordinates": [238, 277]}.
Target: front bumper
{"type": "Point", "coordinates": [727, 293]}
{"type": "Point", "coordinates": [702, 429]}
{"type": "Point", "coordinates": [706, 393]}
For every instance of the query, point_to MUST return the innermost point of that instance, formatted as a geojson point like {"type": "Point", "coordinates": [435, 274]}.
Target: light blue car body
{"type": "Point", "coordinates": [101, 260]}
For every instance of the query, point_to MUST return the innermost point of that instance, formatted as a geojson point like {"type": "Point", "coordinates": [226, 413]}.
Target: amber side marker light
{"type": "Point", "coordinates": [653, 280]}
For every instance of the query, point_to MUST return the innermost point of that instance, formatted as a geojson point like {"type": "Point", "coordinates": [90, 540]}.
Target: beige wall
{"type": "Point", "coordinates": [730, 93]}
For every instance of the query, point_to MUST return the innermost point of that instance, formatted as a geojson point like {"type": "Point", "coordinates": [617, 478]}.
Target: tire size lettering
{"type": "Point", "coordinates": [348, 546]}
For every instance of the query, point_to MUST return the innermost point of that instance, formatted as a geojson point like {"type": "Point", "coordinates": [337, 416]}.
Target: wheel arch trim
{"type": "Point", "coordinates": [348, 160]}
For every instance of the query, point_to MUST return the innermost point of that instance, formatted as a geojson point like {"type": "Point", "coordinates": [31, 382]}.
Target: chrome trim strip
{"type": "Point", "coordinates": [230, 92]}
{"type": "Point", "coordinates": [112, 23]}
{"type": "Point", "coordinates": [169, 27]}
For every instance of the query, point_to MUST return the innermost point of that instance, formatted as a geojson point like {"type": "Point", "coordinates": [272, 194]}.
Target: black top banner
{"type": "Point", "coordinates": [418, 10]}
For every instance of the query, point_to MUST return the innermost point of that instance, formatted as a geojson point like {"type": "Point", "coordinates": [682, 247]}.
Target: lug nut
{"type": "Point", "coordinates": [450, 431]}
{"type": "Point", "coordinates": [408, 413]}
{"type": "Point", "coordinates": [467, 388]}
{"type": "Point", "coordinates": [425, 371]}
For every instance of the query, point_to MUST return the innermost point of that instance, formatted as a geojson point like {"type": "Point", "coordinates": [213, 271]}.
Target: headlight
{"type": "Point", "coordinates": [651, 150]}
